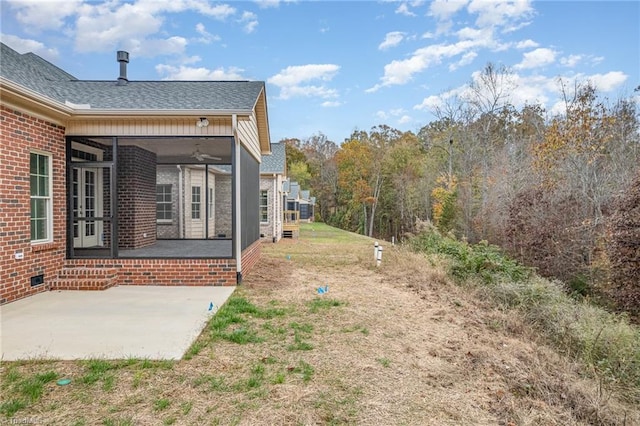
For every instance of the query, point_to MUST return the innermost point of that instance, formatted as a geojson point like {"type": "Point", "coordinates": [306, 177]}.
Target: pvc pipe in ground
{"type": "Point", "coordinates": [379, 256]}
{"type": "Point", "coordinates": [375, 250]}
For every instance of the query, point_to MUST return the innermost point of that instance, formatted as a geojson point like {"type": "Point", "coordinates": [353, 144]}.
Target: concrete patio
{"type": "Point", "coordinates": [149, 322]}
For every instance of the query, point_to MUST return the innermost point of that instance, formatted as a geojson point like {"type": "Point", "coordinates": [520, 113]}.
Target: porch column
{"type": "Point", "coordinates": [237, 232]}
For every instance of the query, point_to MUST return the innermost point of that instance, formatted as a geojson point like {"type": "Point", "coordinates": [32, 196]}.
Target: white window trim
{"type": "Point", "coordinates": [165, 221]}
{"type": "Point", "coordinates": [265, 207]}
{"type": "Point", "coordinates": [50, 197]}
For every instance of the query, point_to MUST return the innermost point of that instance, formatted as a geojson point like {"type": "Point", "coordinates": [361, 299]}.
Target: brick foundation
{"type": "Point", "coordinates": [250, 257]}
{"type": "Point", "coordinates": [166, 272]}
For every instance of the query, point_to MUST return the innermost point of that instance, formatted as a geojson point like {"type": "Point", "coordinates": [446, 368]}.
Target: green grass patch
{"type": "Point", "coordinates": [385, 362]}
{"type": "Point", "coordinates": [232, 323]}
{"type": "Point", "coordinates": [318, 304]}
{"type": "Point", "coordinates": [213, 383]}
{"type": "Point", "coordinates": [304, 369]}
{"type": "Point", "coordinates": [185, 407]}
{"type": "Point", "coordinates": [9, 407]}
{"type": "Point", "coordinates": [194, 349]}
{"type": "Point", "coordinates": [355, 328]}
{"type": "Point", "coordinates": [96, 370]}
{"type": "Point", "coordinates": [118, 422]}
{"type": "Point", "coordinates": [161, 404]}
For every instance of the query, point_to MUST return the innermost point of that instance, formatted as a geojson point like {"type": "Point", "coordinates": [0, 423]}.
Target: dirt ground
{"type": "Point", "coordinates": [433, 353]}
{"type": "Point", "coordinates": [391, 345]}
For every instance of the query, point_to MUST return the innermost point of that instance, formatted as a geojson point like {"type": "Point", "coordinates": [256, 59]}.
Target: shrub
{"type": "Point", "coordinates": [624, 250]}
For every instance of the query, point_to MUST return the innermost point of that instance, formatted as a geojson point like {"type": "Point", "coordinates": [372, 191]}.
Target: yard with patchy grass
{"type": "Point", "coordinates": [389, 345]}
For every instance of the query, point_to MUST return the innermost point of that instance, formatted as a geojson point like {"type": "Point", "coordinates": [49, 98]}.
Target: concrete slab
{"type": "Point", "coordinates": [149, 322]}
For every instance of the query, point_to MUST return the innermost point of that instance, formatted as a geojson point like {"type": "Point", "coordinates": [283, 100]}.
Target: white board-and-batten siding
{"type": "Point", "coordinates": [181, 126]}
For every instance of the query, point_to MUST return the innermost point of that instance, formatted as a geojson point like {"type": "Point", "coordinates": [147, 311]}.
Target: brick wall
{"type": "Point", "coordinates": [250, 257]}
{"type": "Point", "coordinates": [19, 134]}
{"type": "Point", "coordinates": [136, 197]}
{"type": "Point", "coordinates": [266, 228]}
{"type": "Point", "coordinates": [166, 272]}
{"type": "Point", "coordinates": [223, 205]}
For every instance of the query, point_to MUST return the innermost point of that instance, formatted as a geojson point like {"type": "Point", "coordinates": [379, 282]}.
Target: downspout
{"type": "Point", "coordinates": [274, 233]}
{"type": "Point", "coordinates": [180, 204]}
{"type": "Point", "coordinates": [238, 194]}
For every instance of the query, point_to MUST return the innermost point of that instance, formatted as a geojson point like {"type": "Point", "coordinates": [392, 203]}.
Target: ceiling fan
{"type": "Point", "coordinates": [201, 156]}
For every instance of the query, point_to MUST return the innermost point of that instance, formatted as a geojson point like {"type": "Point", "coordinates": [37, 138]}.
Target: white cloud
{"type": "Point", "coordinates": [293, 80]}
{"type": "Point", "coordinates": [250, 21]}
{"type": "Point", "coordinates": [405, 119]}
{"type": "Point", "coordinates": [38, 15]}
{"type": "Point", "coordinates": [382, 115]}
{"type": "Point", "coordinates": [403, 9]}
{"type": "Point", "coordinates": [609, 81]}
{"type": "Point", "coordinates": [466, 59]}
{"type": "Point", "coordinates": [500, 13]}
{"type": "Point", "coordinates": [111, 25]}
{"type": "Point", "coordinates": [468, 33]}
{"type": "Point", "coordinates": [530, 89]}
{"type": "Point", "coordinates": [435, 102]}
{"type": "Point", "coordinates": [526, 44]}
{"type": "Point", "coordinates": [571, 60]}
{"type": "Point", "coordinates": [22, 45]}
{"type": "Point", "coordinates": [401, 71]}
{"type": "Point", "coordinates": [444, 9]}
{"type": "Point", "coordinates": [392, 39]}
{"type": "Point", "coordinates": [207, 37]}
{"type": "Point", "coordinates": [264, 4]}
{"type": "Point", "coordinates": [331, 104]}
{"type": "Point", "coordinates": [101, 28]}
{"type": "Point", "coordinates": [182, 72]}
{"type": "Point", "coordinates": [537, 58]}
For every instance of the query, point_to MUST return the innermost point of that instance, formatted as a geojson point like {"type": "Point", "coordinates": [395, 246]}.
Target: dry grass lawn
{"type": "Point", "coordinates": [394, 345]}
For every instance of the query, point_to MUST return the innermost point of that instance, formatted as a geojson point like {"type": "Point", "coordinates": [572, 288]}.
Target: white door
{"type": "Point", "coordinates": [87, 203]}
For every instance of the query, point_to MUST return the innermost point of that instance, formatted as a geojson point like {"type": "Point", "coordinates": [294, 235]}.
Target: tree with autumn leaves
{"type": "Point", "coordinates": [542, 186]}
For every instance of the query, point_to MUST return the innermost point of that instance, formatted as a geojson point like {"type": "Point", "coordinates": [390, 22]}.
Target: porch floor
{"type": "Point", "coordinates": [148, 322]}
{"type": "Point", "coordinates": [182, 248]}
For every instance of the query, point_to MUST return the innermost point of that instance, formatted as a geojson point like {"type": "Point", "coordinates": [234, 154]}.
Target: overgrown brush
{"type": "Point", "coordinates": [604, 341]}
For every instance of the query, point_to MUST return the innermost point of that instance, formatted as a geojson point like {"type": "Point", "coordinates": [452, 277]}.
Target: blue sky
{"type": "Point", "coordinates": [337, 66]}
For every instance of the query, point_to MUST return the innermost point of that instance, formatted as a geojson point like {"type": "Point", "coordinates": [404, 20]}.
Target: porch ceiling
{"type": "Point", "coordinates": [181, 149]}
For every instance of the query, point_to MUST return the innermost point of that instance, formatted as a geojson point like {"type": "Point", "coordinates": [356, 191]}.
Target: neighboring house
{"type": "Point", "coordinates": [307, 204]}
{"type": "Point", "coordinates": [126, 182]}
{"type": "Point", "coordinates": [272, 177]}
{"type": "Point", "coordinates": [300, 204]}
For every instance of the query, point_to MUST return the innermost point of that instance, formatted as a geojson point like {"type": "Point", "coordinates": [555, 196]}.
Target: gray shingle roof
{"type": "Point", "coordinates": [276, 161]}
{"type": "Point", "coordinates": [29, 70]}
{"type": "Point", "coordinates": [36, 74]}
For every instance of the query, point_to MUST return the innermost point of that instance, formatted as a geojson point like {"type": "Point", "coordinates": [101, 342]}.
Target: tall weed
{"type": "Point", "coordinates": [604, 341]}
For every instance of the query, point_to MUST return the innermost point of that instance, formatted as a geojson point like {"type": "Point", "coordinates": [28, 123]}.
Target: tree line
{"type": "Point", "coordinates": [559, 192]}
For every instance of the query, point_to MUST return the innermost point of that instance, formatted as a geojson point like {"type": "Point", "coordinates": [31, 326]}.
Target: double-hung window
{"type": "Point", "coordinates": [41, 197]}
{"type": "Point", "coordinates": [195, 202]}
{"type": "Point", "coordinates": [264, 202]}
{"type": "Point", "coordinates": [163, 203]}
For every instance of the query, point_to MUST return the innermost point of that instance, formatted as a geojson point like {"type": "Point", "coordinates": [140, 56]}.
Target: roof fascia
{"type": "Point", "coordinates": [13, 94]}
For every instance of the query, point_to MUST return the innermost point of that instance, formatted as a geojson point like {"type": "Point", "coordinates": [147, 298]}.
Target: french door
{"type": "Point", "coordinates": [87, 203]}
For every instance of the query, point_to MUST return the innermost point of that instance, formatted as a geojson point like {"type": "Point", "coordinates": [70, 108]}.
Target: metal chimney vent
{"type": "Point", "coordinates": [123, 58]}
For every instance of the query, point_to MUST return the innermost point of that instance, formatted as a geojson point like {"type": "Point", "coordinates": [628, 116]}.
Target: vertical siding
{"type": "Point", "coordinates": [182, 126]}
{"type": "Point", "coordinates": [248, 134]}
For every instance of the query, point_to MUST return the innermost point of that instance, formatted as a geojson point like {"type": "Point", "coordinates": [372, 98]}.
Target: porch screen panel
{"type": "Point", "coordinates": [250, 190]}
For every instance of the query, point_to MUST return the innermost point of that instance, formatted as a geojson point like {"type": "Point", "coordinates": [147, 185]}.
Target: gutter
{"type": "Point", "coordinates": [12, 92]}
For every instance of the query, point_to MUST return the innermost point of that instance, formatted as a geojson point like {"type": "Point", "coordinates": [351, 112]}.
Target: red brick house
{"type": "Point", "coordinates": [126, 182]}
